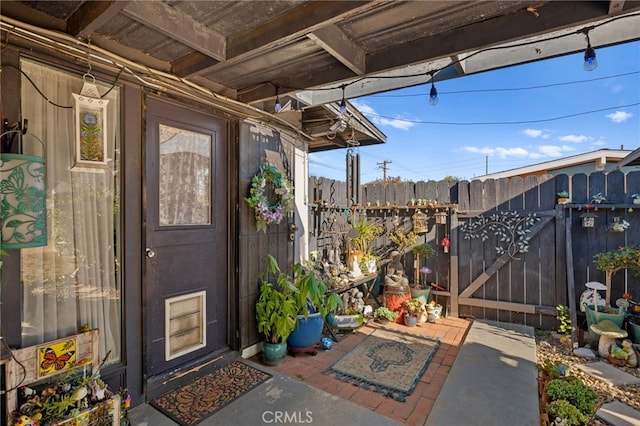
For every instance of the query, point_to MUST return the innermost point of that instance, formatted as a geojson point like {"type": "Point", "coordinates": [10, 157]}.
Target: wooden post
{"type": "Point", "coordinates": [571, 285]}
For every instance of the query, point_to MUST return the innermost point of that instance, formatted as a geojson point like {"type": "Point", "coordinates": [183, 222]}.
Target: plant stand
{"type": "Point", "coordinates": [313, 350]}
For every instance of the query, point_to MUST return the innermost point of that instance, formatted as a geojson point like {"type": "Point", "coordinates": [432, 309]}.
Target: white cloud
{"type": "Point", "coordinates": [499, 151]}
{"type": "Point", "coordinates": [382, 121]}
{"type": "Point", "coordinates": [534, 152]}
{"type": "Point", "coordinates": [616, 89]}
{"type": "Point", "coordinates": [537, 133]}
{"type": "Point", "coordinates": [619, 116]}
{"type": "Point", "coordinates": [574, 138]}
{"type": "Point", "coordinates": [532, 133]}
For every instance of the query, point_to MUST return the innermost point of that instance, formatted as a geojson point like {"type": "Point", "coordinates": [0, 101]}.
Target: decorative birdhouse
{"type": "Point", "coordinates": [419, 222]}
{"type": "Point", "coordinates": [588, 219]}
{"type": "Point", "coordinates": [441, 217]}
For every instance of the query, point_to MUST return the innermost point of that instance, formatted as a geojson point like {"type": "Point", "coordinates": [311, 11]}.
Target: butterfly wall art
{"type": "Point", "coordinates": [57, 357]}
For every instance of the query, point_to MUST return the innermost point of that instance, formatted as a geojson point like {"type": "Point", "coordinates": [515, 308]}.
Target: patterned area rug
{"type": "Point", "coordinates": [386, 361]}
{"type": "Point", "coordinates": [192, 403]}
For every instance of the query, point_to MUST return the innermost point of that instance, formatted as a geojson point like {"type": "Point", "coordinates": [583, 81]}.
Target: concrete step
{"type": "Point", "coordinates": [493, 379]}
{"type": "Point", "coordinates": [618, 414]}
{"type": "Point", "coordinates": [608, 373]}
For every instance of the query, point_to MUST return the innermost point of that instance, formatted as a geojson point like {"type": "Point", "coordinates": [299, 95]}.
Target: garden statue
{"type": "Point", "coordinates": [632, 357]}
{"type": "Point", "coordinates": [395, 271]}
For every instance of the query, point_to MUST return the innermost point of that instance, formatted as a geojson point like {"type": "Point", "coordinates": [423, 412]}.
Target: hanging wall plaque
{"type": "Point", "coordinates": [90, 114]}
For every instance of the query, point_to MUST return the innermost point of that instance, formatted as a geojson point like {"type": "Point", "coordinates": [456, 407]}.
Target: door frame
{"type": "Point", "coordinates": [133, 119]}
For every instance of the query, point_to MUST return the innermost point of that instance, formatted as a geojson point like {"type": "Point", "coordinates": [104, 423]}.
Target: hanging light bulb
{"type": "Point", "coordinates": [590, 61]}
{"type": "Point", "coordinates": [343, 103]}
{"type": "Point", "coordinates": [433, 95]}
{"type": "Point", "coordinates": [277, 106]}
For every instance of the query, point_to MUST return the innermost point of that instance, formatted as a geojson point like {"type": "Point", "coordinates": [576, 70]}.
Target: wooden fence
{"type": "Point", "coordinates": [515, 254]}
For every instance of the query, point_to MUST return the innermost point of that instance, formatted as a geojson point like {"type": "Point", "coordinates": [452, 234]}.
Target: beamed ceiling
{"type": "Point", "coordinates": [309, 51]}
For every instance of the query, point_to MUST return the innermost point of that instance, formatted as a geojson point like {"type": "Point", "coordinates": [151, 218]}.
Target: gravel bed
{"type": "Point", "coordinates": [549, 346]}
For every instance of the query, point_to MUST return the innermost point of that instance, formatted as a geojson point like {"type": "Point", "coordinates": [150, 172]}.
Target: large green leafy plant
{"type": "Point", "coordinates": [312, 293]}
{"type": "Point", "coordinates": [276, 307]}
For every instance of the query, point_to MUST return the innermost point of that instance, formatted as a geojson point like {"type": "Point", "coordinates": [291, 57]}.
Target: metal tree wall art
{"type": "Point", "coordinates": [511, 229]}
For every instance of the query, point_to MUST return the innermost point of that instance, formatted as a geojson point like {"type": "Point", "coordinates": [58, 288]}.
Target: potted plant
{"type": "Point", "coordinates": [383, 315]}
{"type": "Point", "coordinates": [419, 289]}
{"type": "Point", "coordinates": [563, 197]}
{"type": "Point", "coordinates": [613, 261]}
{"type": "Point", "coordinates": [276, 313]}
{"type": "Point", "coordinates": [404, 240]}
{"type": "Point", "coordinates": [364, 233]}
{"type": "Point", "coordinates": [413, 309]}
{"type": "Point", "coordinates": [313, 301]}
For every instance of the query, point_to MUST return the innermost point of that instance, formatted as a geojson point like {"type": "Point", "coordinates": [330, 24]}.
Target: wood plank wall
{"type": "Point", "coordinates": [538, 278]}
{"type": "Point", "coordinates": [256, 143]}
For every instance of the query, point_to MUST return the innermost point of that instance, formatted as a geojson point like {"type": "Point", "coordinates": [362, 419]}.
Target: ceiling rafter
{"type": "Point", "coordinates": [519, 25]}
{"type": "Point", "coordinates": [178, 26]}
{"type": "Point", "coordinates": [92, 15]}
{"type": "Point", "coordinates": [293, 25]}
{"type": "Point", "coordinates": [341, 47]}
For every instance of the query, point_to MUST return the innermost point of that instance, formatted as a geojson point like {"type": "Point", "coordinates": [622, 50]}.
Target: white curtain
{"type": "Point", "coordinates": [74, 281]}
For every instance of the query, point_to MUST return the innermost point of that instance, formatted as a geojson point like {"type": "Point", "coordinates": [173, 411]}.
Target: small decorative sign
{"type": "Point", "coordinates": [91, 126]}
{"type": "Point", "coordinates": [57, 357]}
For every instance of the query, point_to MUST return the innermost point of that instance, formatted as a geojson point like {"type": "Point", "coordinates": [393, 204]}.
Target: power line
{"type": "Point", "coordinates": [497, 123]}
{"type": "Point", "coordinates": [507, 89]}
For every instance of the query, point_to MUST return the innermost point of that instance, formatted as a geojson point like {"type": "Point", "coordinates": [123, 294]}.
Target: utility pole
{"type": "Point", "coordinates": [383, 166]}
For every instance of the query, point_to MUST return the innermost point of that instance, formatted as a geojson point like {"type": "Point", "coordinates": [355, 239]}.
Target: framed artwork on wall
{"type": "Point", "coordinates": [90, 118]}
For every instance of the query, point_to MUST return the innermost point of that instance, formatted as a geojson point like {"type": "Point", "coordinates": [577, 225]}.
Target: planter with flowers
{"type": "Point", "coordinates": [563, 197]}
{"type": "Point", "coordinates": [413, 309]}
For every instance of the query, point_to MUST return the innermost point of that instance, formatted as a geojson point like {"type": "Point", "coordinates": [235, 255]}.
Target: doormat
{"type": "Point", "coordinates": [192, 403]}
{"type": "Point", "coordinates": [386, 361]}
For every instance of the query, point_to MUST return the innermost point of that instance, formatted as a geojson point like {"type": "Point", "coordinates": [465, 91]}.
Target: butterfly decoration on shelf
{"type": "Point", "coordinates": [56, 358]}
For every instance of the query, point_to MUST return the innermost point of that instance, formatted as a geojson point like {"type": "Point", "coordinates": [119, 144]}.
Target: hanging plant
{"type": "Point", "coordinates": [265, 212]}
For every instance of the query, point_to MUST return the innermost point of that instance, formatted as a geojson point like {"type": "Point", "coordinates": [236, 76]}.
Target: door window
{"type": "Point", "coordinates": [184, 190]}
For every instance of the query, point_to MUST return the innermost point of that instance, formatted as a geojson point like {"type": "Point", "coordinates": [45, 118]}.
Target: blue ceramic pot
{"type": "Point", "coordinates": [307, 332]}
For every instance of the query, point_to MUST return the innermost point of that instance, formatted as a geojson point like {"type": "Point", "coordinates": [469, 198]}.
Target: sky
{"type": "Point", "coordinates": [418, 149]}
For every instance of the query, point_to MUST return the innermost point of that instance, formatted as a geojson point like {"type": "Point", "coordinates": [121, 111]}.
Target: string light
{"type": "Point", "coordinates": [433, 94]}
{"type": "Point", "coordinates": [343, 103]}
{"type": "Point", "coordinates": [590, 61]}
{"type": "Point", "coordinates": [278, 106]}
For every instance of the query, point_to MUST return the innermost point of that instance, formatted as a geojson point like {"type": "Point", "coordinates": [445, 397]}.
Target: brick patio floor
{"type": "Point", "coordinates": [415, 410]}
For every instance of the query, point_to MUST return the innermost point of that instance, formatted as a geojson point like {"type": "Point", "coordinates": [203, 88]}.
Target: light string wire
{"type": "Point", "coordinates": [483, 123]}
{"type": "Point", "coordinates": [509, 89]}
